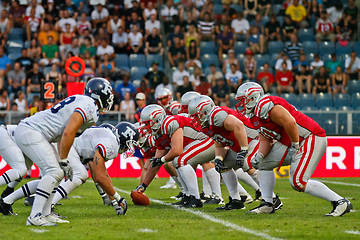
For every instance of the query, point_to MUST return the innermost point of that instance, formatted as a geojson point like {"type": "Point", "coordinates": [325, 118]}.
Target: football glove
{"type": "Point", "coordinates": [292, 151]}
{"type": "Point", "coordinates": [104, 196]}
{"type": "Point", "coordinates": [157, 161]}
{"type": "Point", "coordinates": [141, 188]}
{"type": "Point", "coordinates": [240, 157]}
{"type": "Point", "coordinates": [219, 165]}
{"type": "Point", "coordinates": [256, 161]}
{"type": "Point", "coordinates": [68, 171]}
{"type": "Point", "coordinates": [120, 206]}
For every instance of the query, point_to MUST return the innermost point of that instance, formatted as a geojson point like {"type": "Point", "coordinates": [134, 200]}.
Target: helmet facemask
{"type": "Point", "coordinates": [164, 101]}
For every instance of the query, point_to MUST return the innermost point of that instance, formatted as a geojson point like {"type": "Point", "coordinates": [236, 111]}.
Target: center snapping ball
{"type": "Point", "coordinates": [139, 198]}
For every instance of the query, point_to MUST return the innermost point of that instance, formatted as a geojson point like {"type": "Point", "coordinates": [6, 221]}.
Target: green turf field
{"type": "Point", "coordinates": [300, 218]}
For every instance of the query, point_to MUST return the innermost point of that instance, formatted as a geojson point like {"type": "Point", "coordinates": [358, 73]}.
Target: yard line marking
{"type": "Point", "coordinates": [35, 230]}
{"type": "Point", "coordinates": [147, 230]}
{"type": "Point", "coordinates": [212, 219]}
{"type": "Point", "coordinates": [353, 232]}
{"type": "Point", "coordinates": [340, 183]}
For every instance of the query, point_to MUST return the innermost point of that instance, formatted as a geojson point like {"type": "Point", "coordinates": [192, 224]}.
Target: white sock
{"type": "Point", "coordinates": [25, 191]}
{"type": "Point", "coordinates": [267, 185]}
{"type": "Point", "coordinates": [255, 177]}
{"type": "Point", "coordinates": [171, 180]}
{"type": "Point", "coordinates": [43, 192]}
{"type": "Point", "coordinates": [9, 176]}
{"type": "Point", "coordinates": [241, 190]}
{"type": "Point", "coordinates": [13, 184]}
{"type": "Point", "coordinates": [213, 178]}
{"type": "Point", "coordinates": [206, 185]}
{"type": "Point", "coordinates": [178, 183]}
{"type": "Point", "coordinates": [245, 178]}
{"type": "Point", "coordinates": [183, 183]}
{"type": "Point", "coordinates": [320, 190]}
{"type": "Point", "coordinates": [191, 180]}
{"type": "Point", "coordinates": [47, 206]}
{"type": "Point", "coordinates": [66, 188]}
{"type": "Point", "coordinates": [230, 180]}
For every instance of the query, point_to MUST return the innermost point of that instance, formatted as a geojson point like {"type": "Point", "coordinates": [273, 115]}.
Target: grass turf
{"type": "Point", "coordinates": [300, 218]}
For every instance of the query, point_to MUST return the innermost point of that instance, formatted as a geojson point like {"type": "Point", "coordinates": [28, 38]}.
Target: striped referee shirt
{"type": "Point", "coordinates": [293, 51]}
{"type": "Point", "coordinates": [206, 27]}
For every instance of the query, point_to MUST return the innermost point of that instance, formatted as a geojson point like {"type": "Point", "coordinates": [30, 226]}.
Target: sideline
{"type": "Point", "coordinates": [339, 183]}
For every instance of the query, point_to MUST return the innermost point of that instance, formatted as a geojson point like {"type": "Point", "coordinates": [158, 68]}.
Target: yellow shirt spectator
{"type": "Point", "coordinates": [296, 13]}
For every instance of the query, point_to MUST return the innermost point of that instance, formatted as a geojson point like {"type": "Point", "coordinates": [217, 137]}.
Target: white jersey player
{"type": "Point", "coordinates": [62, 122]}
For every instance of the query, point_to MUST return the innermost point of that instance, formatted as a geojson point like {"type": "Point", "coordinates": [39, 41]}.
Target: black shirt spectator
{"type": "Point", "coordinates": [272, 29]}
{"type": "Point", "coordinates": [25, 62]}
{"type": "Point", "coordinates": [155, 76]}
{"type": "Point", "coordinates": [176, 53]}
{"type": "Point", "coordinates": [34, 80]}
{"type": "Point", "coordinates": [221, 93]}
{"type": "Point", "coordinates": [288, 28]}
{"type": "Point", "coordinates": [186, 87]}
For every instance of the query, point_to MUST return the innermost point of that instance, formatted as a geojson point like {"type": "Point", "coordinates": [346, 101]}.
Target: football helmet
{"type": "Point", "coordinates": [100, 90]}
{"type": "Point", "coordinates": [108, 125]}
{"type": "Point", "coordinates": [127, 136]}
{"type": "Point", "coordinates": [248, 95]}
{"type": "Point", "coordinates": [144, 134]}
{"type": "Point", "coordinates": [164, 97]}
{"type": "Point", "coordinates": [185, 99]}
{"type": "Point", "coordinates": [152, 117]}
{"type": "Point", "coordinates": [200, 108]}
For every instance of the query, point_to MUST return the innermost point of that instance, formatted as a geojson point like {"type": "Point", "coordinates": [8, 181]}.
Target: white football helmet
{"type": "Point", "coordinates": [144, 134]}
{"type": "Point", "coordinates": [200, 108]}
{"type": "Point", "coordinates": [164, 97]}
{"type": "Point", "coordinates": [151, 117]}
{"type": "Point", "coordinates": [248, 95]}
{"type": "Point", "coordinates": [185, 100]}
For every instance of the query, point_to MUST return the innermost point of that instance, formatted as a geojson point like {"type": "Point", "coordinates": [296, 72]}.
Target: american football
{"type": "Point", "coordinates": [139, 198]}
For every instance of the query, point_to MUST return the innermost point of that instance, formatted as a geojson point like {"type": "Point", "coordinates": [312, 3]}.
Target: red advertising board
{"type": "Point", "coordinates": [342, 159]}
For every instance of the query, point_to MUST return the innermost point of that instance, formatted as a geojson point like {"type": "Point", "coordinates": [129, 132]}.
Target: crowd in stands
{"type": "Point", "coordinates": [211, 46]}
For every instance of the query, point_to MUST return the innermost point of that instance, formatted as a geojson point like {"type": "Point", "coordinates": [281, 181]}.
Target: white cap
{"type": "Point", "coordinates": [140, 96]}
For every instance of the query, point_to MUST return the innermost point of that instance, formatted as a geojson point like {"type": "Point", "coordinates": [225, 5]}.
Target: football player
{"type": "Point", "coordinates": [62, 122]}
{"type": "Point", "coordinates": [287, 137]}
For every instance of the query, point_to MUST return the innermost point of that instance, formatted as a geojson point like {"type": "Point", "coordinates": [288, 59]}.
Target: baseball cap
{"type": "Point", "coordinates": [230, 51]}
{"type": "Point", "coordinates": [140, 96]}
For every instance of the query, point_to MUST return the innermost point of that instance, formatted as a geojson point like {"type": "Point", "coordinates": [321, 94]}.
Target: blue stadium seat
{"type": "Point", "coordinates": [154, 58]}
{"type": "Point", "coordinates": [280, 19]}
{"type": "Point", "coordinates": [306, 100]}
{"type": "Point", "coordinates": [13, 57]}
{"type": "Point", "coordinates": [310, 47]}
{"type": "Point", "coordinates": [340, 50]}
{"type": "Point", "coordinates": [276, 8]}
{"type": "Point", "coordinates": [326, 48]}
{"type": "Point", "coordinates": [208, 59]}
{"type": "Point", "coordinates": [137, 60]}
{"type": "Point", "coordinates": [121, 60]}
{"type": "Point", "coordinates": [240, 47]}
{"type": "Point", "coordinates": [329, 126]}
{"type": "Point", "coordinates": [324, 100]}
{"type": "Point", "coordinates": [356, 47]}
{"type": "Point", "coordinates": [273, 58]}
{"type": "Point", "coordinates": [218, 8]}
{"type": "Point", "coordinates": [326, 58]}
{"type": "Point", "coordinates": [117, 83]}
{"type": "Point", "coordinates": [137, 73]}
{"type": "Point", "coordinates": [355, 100]}
{"type": "Point", "coordinates": [207, 47]}
{"type": "Point", "coordinates": [306, 34]}
{"type": "Point", "coordinates": [275, 47]}
{"type": "Point", "coordinates": [342, 100]}
{"type": "Point", "coordinates": [14, 50]}
{"type": "Point", "coordinates": [353, 86]}
{"type": "Point", "coordinates": [236, 7]}
{"type": "Point", "coordinates": [16, 34]}
{"type": "Point", "coordinates": [291, 98]}
{"type": "Point", "coordinates": [262, 59]}
{"type": "Point", "coordinates": [136, 83]}
{"type": "Point", "coordinates": [240, 58]}
{"type": "Point", "coordinates": [232, 100]}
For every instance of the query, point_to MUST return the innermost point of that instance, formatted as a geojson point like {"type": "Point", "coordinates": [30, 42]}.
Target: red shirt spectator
{"type": "Point", "coordinates": [284, 79]}
{"type": "Point", "coordinates": [265, 78]}
{"type": "Point", "coordinates": [204, 88]}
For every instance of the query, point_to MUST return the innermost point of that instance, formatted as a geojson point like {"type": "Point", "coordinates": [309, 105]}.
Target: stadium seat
{"type": "Point", "coordinates": [275, 47]}
{"type": "Point", "coordinates": [353, 86]}
{"type": "Point", "coordinates": [13, 57]}
{"type": "Point", "coordinates": [324, 100]}
{"type": "Point", "coordinates": [236, 7]}
{"type": "Point", "coordinates": [117, 83]}
{"type": "Point", "coordinates": [290, 98]}
{"type": "Point", "coordinates": [273, 58]}
{"type": "Point", "coordinates": [14, 50]}
{"type": "Point", "coordinates": [355, 100]}
{"type": "Point", "coordinates": [306, 99]}
{"type": "Point", "coordinates": [121, 60]}
{"type": "Point", "coordinates": [309, 108]}
{"type": "Point", "coordinates": [306, 34]}
{"type": "Point", "coordinates": [310, 47]}
{"type": "Point", "coordinates": [136, 83]}
{"type": "Point", "coordinates": [329, 126]}
{"type": "Point", "coordinates": [262, 59]}
{"type": "Point", "coordinates": [137, 60]}
{"type": "Point", "coordinates": [340, 50]}
{"type": "Point", "coordinates": [137, 73]}
{"type": "Point", "coordinates": [356, 47]}
{"type": "Point", "coordinates": [326, 48]}
{"type": "Point", "coordinates": [207, 47]}
{"type": "Point", "coordinates": [208, 59]}
{"type": "Point", "coordinates": [218, 8]}
{"type": "Point", "coordinates": [310, 57]}
{"type": "Point", "coordinates": [46, 70]}
{"type": "Point", "coordinates": [240, 47]}
{"type": "Point", "coordinates": [241, 57]}
{"type": "Point", "coordinates": [16, 34]}
{"type": "Point", "coordinates": [280, 19]}
{"type": "Point", "coordinates": [276, 8]}
{"type": "Point", "coordinates": [154, 58]}
{"type": "Point", "coordinates": [342, 100]}
{"type": "Point", "coordinates": [232, 100]}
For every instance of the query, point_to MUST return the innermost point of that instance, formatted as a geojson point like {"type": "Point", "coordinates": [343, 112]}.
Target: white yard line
{"type": "Point", "coordinates": [339, 183]}
{"type": "Point", "coordinates": [212, 219]}
{"type": "Point", "coordinates": [353, 232]}
{"type": "Point", "coordinates": [37, 230]}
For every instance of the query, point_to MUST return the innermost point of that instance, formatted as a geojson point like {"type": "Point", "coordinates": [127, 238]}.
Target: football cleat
{"type": "Point", "coordinates": [277, 203]}
{"type": "Point", "coordinates": [232, 204]}
{"type": "Point", "coordinates": [39, 220]}
{"type": "Point", "coordinates": [204, 197]}
{"type": "Point", "coordinates": [169, 184]}
{"type": "Point", "coordinates": [55, 218]}
{"type": "Point", "coordinates": [258, 195]}
{"type": "Point", "coordinates": [215, 200]}
{"type": "Point", "coordinates": [193, 203]}
{"type": "Point", "coordinates": [177, 197]}
{"type": "Point", "coordinates": [263, 208]}
{"type": "Point", "coordinates": [5, 208]}
{"type": "Point", "coordinates": [183, 201]}
{"type": "Point", "coordinates": [29, 201]}
{"type": "Point", "coordinates": [7, 192]}
{"type": "Point", "coordinates": [340, 208]}
{"type": "Point", "coordinates": [246, 198]}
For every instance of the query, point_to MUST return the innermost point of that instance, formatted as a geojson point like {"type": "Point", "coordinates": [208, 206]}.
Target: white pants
{"type": "Point", "coordinates": [79, 169]}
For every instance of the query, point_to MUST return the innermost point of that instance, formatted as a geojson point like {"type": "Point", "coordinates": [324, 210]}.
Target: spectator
{"type": "Point", "coordinates": [125, 86]}
{"type": "Point", "coordinates": [282, 59]}
{"type": "Point", "coordinates": [4, 6]}
{"type": "Point", "coordinates": [179, 74]}
{"type": "Point", "coordinates": [335, 13]}
{"type": "Point", "coordinates": [99, 16]}
{"type": "Point", "coordinates": [284, 80]}
{"type": "Point", "coordinates": [5, 27]}
{"type": "Point", "coordinates": [4, 100]}
{"type": "Point", "coordinates": [127, 106]}
{"type": "Point", "coordinates": [324, 29]}
{"type": "Point", "coordinates": [167, 14]}
{"type": "Point", "coordinates": [90, 65]}
{"type": "Point", "coordinates": [272, 29]}
{"type": "Point", "coordinates": [220, 93]}
{"type": "Point", "coordinates": [303, 75]}
{"type": "Point", "coordinates": [339, 81]}
{"type": "Point", "coordinates": [264, 7]}
{"type": "Point", "coordinates": [144, 88]}
{"type": "Point", "coordinates": [17, 14]}
{"type": "Point", "coordinates": [88, 34]}
{"type": "Point", "coordinates": [25, 62]}
{"type": "Point", "coordinates": [66, 19]}
{"type": "Point", "coordinates": [289, 28]}
{"type": "Point", "coordinates": [151, 24]}
{"type": "Point", "coordinates": [137, 9]}
{"type": "Point", "coordinates": [105, 48]}
{"type": "Point", "coordinates": [120, 41]}
{"type": "Point", "coordinates": [256, 40]}
{"type": "Point", "coordinates": [258, 22]}
{"type": "Point", "coordinates": [297, 13]}
{"type": "Point", "coordinates": [352, 66]}
{"type": "Point", "coordinates": [176, 53]}
{"type": "Point", "coordinates": [148, 11]}
{"type": "Point", "coordinates": [351, 17]}
{"type": "Point", "coordinates": [214, 75]}
{"type": "Point", "coordinates": [250, 65]}
{"type": "Point", "coordinates": [234, 78]}
{"type": "Point", "coordinates": [141, 103]}
{"type": "Point", "coordinates": [87, 46]}
{"type": "Point", "coordinates": [55, 77]}
{"type": "Point", "coordinates": [333, 64]}
{"type": "Point", "coordinates": [321, 82]}
{"type": "Point", "coordinates": [228, 10]}
{"type": "Point", "coordinates": [176, 33]}
{"type": "Point", "coordinates": [153, 43]}
{"type": "Point", "coordinates": [100, 35]}
{"type": "Point", "coordinates": [34, 79]}
{"type": "Point", "coordinates": [66, 38]}
{"type": "Point", "coordinates": [73, 47]}
{"type": "Point", "coordinates": [206, 28]}
{"type": "Point", "coordinates": [83, 23]}
{"type": "Point", "coordinates": [293, 50]}
{"type": "Point", "coordinates": [21, 101]}
{"type": "Point", "coordinates": [302, 61]}
{"type": "Point", "coordinates": [343, 32]}
{"type": "Point", "coordinates": [221, 23]}
{"type": "Point", "coordinates": [154, 76]}
{"type": "Point", "coordinates": [225, 42]}
{"type": "Point", "coordinates": [50, 53]}
{"type": "Point", "coordinates": [191, 35]}
{"type": "Point", "coordinates": [184, 88]}
{"type": "Point", "coordinates": [106, 68]}
{"type": "Point", "coordinates": [250, 7]}
{"type": "Point", "coordinates": [39, 10]}
{"type": "Point", "coordinates": [135, 41]}
{"type": "Point", "coordinates": [204, 88]}
{"type": "Point", "coordinates": [16, 79]}
{"type": "Point", "coordinates": [73, 10]}
{"type": "Point", "coordinates": [265, 78]}
{"type": "Point", "coordinates": [231, 59]}
{"type": "Point", "coordinates": [114, 23]}
{"type": "Point", "coordinates": [316, 64]}
{"type": "Point", "coordinates": [192, 55]}
{"type": "Point", "coordinates": [208, 7]}
{"type": "Point", "coordinates": [165, 84]}
{"type": "Point", "coordinates": [4, 66]}
{"type": "Point", "coordinates": [134, 20]}
{"type": "Point", "coordinates": [45, 33]}
{"type": "Point", "coordinates": [240, 26]}
{"type": "Point", "coordinates": [195, 77]}
{"type": "Point", "coordinates": [190, 20]}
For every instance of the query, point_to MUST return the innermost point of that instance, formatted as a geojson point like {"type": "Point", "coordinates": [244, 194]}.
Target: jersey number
{"type": "Point", "coordinates": [50, 89]}
{"type": "Point", "coordinates": [62, 104]}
